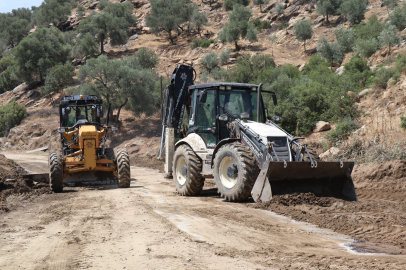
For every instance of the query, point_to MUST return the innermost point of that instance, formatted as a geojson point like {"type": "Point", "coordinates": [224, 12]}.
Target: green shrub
{"type": "Point", "coordinates": [382, 77]}
{"type": "Point", "coordinates": [398, 18]}
{"type": "Point", "coordinates": [283, 26]}
{"type": "Point", "coordinates": [357, 71]}
{"type": "Point", "coordinates": [346, 38]}
{"type": "Point", "coordinates": [58, 78]}
{"type": "Point", "coordinates": [11, 116]}
{"type": "Point", "coordinates": [229, 4]}
{"type": "Point", "coordinates": [204, 43]}
{"type": "Point", "coordinates": [224, 56]}
{"type": "Point", "coordinates": [370, 29]}
{"type": "Point", "coordinates": [209, 61]}
{"type": "Point", "coordinates": [366, 47]}
{"type": "Point", "coordinates": [403, 122]}
{"type": "Point", "coordinates": [102, 4]}
{"type": "Point", "coordinates": [342, 131]}
{"type": "Point", "coordinates": [260, 25]}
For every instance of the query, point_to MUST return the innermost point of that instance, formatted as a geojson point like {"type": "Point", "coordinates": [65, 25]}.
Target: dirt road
{"type": "Point", "coordinates": [148, 226]}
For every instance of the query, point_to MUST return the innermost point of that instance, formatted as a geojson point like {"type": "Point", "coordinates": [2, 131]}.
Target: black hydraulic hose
{"type": "Point", "coordinates": [259, 102]}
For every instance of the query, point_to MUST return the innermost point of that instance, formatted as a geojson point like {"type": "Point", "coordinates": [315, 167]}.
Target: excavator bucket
{"type": "Point", "coordinates": [331, 179]}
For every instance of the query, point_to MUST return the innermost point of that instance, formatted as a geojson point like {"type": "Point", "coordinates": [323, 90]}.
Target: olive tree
{"type": "Point", "coordinates": [260, 3]}
{"type": "Point", "coordinates": [238, 27]}
{"type": "Point", "coordinates": [332, 52]}
{"type": "Point", "coordinates": [122, 82]}
{"type": "Point", "coordinates": [303, 31]}
{"type": "Point", "coordinates": [40, 51]}
{"type": "Point", "coordinates": [328, 7]}
{"type": "Point", "coordinates": [168, 15]}
{"type": "Point", "coordinates": [354, 10]}
{"type": "Point", "coordinates": [389, 37]}
{"type": "Point", "coordinates": [209, 61]}
{"type": "Point", "coordinates": [113, 23]}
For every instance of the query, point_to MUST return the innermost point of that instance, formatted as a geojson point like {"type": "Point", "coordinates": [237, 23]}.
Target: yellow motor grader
{"type": "Point", "coordinates": [84, 157]}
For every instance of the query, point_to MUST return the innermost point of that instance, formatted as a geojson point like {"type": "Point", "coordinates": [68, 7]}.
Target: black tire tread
{"type": "Point", "coordinates": [55, 172]}
{"type": "Point", "coordinates": [123, 168]}
{"type": "Point", "coordinates": [194, 182]}
{"type": "Point", "coordinates": [247, 176]}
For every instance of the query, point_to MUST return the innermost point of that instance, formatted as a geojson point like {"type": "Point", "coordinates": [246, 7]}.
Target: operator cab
{"type": "Point", "coordinates": [212, 105]}
{"type": "Point", "coordinates": [80, 110]}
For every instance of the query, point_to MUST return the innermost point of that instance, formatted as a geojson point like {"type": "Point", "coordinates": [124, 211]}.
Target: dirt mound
{"type": "Point", "coordinates": [297, 199]}
{"type": "Point", "coordinates": [13, 183]}
{"type": "Point", "coordinates": [377, 220]}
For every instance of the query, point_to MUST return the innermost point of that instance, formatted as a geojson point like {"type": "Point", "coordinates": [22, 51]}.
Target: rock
{"type": "Point", "coordinates": [33, 29]}
{"type": "Point", "coordinates": [146, 6]}
{"type": "Point", "coordinates": [29, 93]}
{"type": "Point", "coordinates": [235, 55]}
{"type": "Point", "coordinates": [6, 145]}
{"type": "Point", "coordinates": [302, 67]}
{"type": "Point", "coordinates": [322, 126]}
{"type": "Point", "coordinates": [333, 151]}
{"type": "Point", "coordinates": [190, 63]}
{"type": "Point", "coordinates": [19, 88]}
{"type": "Point", "coordinates": [339, 70]}
{"type": "Point", "coordinates": [231, 60]}
{"type": "Point", "coordinates": [361, 131]}
{"type": "Point", "coordinates": [366, 91]}
{"type": "Point", "coordinates": [11, 99]}
{"type": "Point", "coordinates": [133, 37]}
{"type": "Point", "coordinates": [317, 25]}
{"type": "Point", "coordinates": [146, 30]}
{"type": "Point", "coordinates": [93, 5]}
{"type": "Point", "coordinates": [318, 20]}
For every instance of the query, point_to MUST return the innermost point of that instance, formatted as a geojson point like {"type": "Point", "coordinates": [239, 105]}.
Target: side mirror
{"type": "Point", "coordinates": [99, 111]}
{"type": "Point", "coordinates": [276, 118]}
{"type": "Point", "coordinates": [223, 118]}
{"type": "Point", "coordinates": [275, 102]}
{"type": "Point", "coordinates": [202, 96]}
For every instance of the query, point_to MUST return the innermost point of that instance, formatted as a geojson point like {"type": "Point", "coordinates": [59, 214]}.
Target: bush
{"type": "Point", "coordinates": [382, 77]}
{"type": "Point", "coordinates": [209, 61]}
{"type": "Point", "coordinates": [11, 116]}
{"type": "Point", "coordinates": [204, 43]}
{"type": "Point", "coordinates": [366, 47]}
{"type": "Point", "coordinates": [229, 4]}
{"type": "Point", "coordinates": [224, 56]}
{"type": "Point", "coordinates": [332, 52]}
{"type": "Point", "coordinates": [345, 38]}
{"type": "Point", "coordinates": [370, 29]}
{"type": "Point", "coordinates": [357, 71]}
{"type": "Point", "coordinates": [403, 122]}
{"type": "Point", "coordinates": [398, 17]}
{"type": "Point", "coordinates": [342, 131]}
{"type": "Point", "coordinates": [58, 78]}
{"type": "Point", "coordinates": [102, 4]}
{"type": "Point", "coordinates": [260, 25]}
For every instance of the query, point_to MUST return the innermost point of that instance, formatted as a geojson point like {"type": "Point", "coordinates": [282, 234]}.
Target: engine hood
{"type": "Point", "coordinates": [263, 130]}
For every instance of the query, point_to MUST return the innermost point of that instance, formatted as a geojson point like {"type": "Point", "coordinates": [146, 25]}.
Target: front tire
{"type": "Point", "coordinates": [123, 168]}
{"type": "Point", "coordinates": [55, 172]}
{"type": "Point", "coordinates": [235, 171]}
{"type": "Point", "coordinates": [187, 167]}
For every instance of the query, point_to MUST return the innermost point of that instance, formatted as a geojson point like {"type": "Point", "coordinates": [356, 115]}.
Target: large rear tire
{"type": "Point", "coordinates": [123, 168]}
{"type": "Point", "coordinates": [55, 172]}
{"type": "Point", "coordinates": [235, 171]}
{"type": "Point", "coordinates": [187, 167]}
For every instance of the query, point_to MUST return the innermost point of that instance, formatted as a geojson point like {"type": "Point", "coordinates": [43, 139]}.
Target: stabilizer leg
{"type": "Point", "coordinates": [262, 192]}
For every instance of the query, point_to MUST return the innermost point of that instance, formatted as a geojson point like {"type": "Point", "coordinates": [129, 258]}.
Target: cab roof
{"type": "Point", "coordinates": [218, 84]}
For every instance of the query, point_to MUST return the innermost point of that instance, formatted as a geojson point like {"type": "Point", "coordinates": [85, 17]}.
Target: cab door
{"type": "Point", "coordinates": [205, 116]}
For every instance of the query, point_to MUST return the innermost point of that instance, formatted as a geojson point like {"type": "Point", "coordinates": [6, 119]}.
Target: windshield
{"type": "Point", "coordinates": [81, 113]}
{"type": "Point", "coordinates": [238, 101]}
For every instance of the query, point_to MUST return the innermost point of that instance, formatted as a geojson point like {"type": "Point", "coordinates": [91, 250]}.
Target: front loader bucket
{"type": "Point", "coordinates": [90, 178]}
{"type": "Point", "coordinates": [331, 179]}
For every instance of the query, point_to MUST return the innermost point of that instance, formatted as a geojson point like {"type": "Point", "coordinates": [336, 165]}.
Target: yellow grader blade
{"type": "Point", "coordinates": [332, 179]}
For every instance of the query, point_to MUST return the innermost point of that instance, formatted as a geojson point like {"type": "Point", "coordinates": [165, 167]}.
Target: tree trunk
{"type": "Point", "coordinates": [170, 36]}
{"type": "Point", "coordinates": [237, 48]}
{"type": "Point", "coordinates": [102, 45]}
{"type": "Point", "coordinates": [119, 109]}
{"type": "Point", "coordinates": [260, 8]}
{"type": "Point", "coordinates": [304, 45]}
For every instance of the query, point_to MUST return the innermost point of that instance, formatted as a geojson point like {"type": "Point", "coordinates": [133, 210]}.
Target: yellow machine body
{"type": "Point", "coordinates": [85, 158]}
